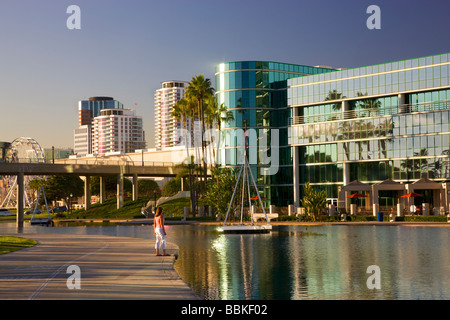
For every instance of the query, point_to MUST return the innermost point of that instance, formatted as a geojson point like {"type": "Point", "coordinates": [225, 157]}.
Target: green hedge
{"type": "Point", "coordinates": [306, 218]}
{"type": "Point", "coordinates": [422, 218]}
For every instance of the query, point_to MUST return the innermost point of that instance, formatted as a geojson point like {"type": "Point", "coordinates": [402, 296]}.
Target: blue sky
{"type": "Point", "coordinates": [126, 48]}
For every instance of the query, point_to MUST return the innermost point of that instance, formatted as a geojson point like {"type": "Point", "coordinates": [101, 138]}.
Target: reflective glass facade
{"type": "Point", "coordinates": [382, 79]}
{"type": "Point", "coordinates": [96, 104]}
{"type": "Point", "coordinates": [89, 109]}
{"type": "Point", "coordinates": [388, 121]}
{"type": "Point", "coordinates": [255, 94]}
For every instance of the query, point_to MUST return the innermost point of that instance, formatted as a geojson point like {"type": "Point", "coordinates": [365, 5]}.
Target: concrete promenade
{"type": "Point", "coordinates": [109, 267]}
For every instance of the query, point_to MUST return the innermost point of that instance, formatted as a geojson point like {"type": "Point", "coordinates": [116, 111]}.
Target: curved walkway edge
{"type": "Point", "coordinates": [90, 267]}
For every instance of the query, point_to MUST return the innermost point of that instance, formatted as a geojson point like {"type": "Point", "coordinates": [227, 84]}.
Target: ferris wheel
{"type": "Point", "coordinates": [21, 150]}
{"type": "Point", "coordinates": [25, 150]}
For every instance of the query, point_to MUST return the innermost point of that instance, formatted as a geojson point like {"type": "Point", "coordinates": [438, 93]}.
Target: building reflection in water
{"type": "Point", "coordinates": [298, 262]}
{"type": "Point", "coordinates": [327, 262]}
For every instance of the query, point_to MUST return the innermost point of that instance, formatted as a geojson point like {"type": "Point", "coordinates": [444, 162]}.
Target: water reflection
{"type": "Point", "coordinates": [327, 262]}
{"type": "Point", "coordinates": [296, 262]}
{"type": "Point", "coordinates": [238, 259]}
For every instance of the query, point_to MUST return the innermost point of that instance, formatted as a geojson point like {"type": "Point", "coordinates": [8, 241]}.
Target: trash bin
{"type": "Point", "coordinates": [380, 216]}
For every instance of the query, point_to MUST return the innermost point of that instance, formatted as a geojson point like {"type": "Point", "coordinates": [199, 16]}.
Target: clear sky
{"type": "Point", "coordinates": [126, 48]}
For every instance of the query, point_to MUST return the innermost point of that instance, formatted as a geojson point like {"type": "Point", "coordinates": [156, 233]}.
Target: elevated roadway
{"type": "Point", "coordinates": [87, 169]}
{"type": "Point", "coordinates": [119, 169]}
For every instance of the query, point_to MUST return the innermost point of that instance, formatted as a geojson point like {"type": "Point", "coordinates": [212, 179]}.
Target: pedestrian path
{"type": "Point", "coordinates": [66, 267]}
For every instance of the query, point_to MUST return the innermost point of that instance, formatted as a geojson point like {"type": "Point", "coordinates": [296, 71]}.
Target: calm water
{"type": "Point", "coordinates": [298, 262]}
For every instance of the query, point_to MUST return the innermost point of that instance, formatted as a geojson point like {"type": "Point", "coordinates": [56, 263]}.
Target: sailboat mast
{"type": "Point", "coordinates": [243, 190]}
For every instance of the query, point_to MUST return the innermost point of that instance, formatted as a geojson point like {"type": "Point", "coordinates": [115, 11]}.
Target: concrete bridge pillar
{"type": "Point", "coordinates": [20, 198]}
{"type": "Point", "coordinates": [102, 190]}
{"type": "Point", "coordinates": [120, 190]}
{"type": "Point", "coordinates": [87, 193]}
{"type": "Point", "coordinates": [135, 187]}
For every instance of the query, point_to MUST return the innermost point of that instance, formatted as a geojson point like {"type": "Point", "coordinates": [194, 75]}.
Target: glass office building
{"type": "Point", "coordinates": [89, 109]}
{"type": "Point", "coordinates": [255, 94]}
{"type": "Point", "coordinates": [373, 124]}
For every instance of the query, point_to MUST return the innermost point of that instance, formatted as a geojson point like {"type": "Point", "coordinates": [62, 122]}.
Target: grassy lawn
{"type": "Point", "coordinates": [10, 243]}
{"type": "Point", "coordinates": [176, 208]}
{"type": "Point", "coordinates": [108, 210]}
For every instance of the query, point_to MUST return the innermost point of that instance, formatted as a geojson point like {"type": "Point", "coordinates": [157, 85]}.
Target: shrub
{"type": "Point", "coordinates": [171, 187]}
{"type": "Point", "coordinates": [425, 218]}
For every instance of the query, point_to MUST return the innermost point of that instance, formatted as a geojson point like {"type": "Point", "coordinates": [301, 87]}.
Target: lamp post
{"type": "Point", "coordinates": [70, 202]}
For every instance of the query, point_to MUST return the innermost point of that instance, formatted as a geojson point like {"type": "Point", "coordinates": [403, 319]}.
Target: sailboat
{"type": "Point", "coordinates": [41, 221]}
{"type": "Point", "coordinates": [246, 174]}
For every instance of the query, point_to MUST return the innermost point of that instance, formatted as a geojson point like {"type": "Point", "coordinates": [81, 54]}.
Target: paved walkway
{"type": "Point", "coordinates": [110, 268]}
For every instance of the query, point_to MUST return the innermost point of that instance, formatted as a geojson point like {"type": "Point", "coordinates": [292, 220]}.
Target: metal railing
{"type": "Point", "coordinates": [121, 162]}
{"type": "Point", "coordinates": [96, 161]}
{"type": "Point", "coordinates": [371, 112]}
{"type": "Point", "coordinates": [344, 115]}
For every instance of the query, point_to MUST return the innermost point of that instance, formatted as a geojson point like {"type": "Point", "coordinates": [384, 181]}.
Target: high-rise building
{"type": "Point", "coordinates": [83, 140]}
{"type": "Point", "coordinates": [382, 130]}
{"type": "Point", "coordinates": [105, 126]}
{"type": "Point", "coordinates": [255, 92]}
{"type": "Point", "coordinates": [169, 131]}
{"type": "Point", "coordinates": [117, 130]}
{"type": "Point", "coordinates": [89, 109]}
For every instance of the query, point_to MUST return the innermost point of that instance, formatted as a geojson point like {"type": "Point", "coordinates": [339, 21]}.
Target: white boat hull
{"type": "Point", "coordinates": [266, 228]}
{"type": "Point", "coordinates": [42, 222]}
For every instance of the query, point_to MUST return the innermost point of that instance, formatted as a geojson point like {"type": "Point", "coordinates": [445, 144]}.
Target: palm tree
{"type": "Point", "coordinates": [200, 89]}
{"type": "Point", "coordinates": [181, 111]}
{"type": "Point", "coordinates": [412, 166]}
{"type": "Point", "coordinates": [210, 113]}
{"type": "Point", "coordinates": [334, 95]}
{"type": "Point", "coordinates": [313, 201]}
{"type": "Point", "coordinates": [370, 104]}
{"type": "Point", "coordinates": [214, 116]}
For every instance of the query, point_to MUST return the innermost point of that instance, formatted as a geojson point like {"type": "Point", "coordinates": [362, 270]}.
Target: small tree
{"type": "Point", "coordinates": [146, 187]}
{"type": "Point", "coordinates": [313, 201]}
{"type": "Point", "coordinates": [61, 187]}
{"type": "Point", "coordinates": [110, 185]}
{"type": "Point", "coordinates": [35, 185]}
{"type": "Point", "coordinates": [219, 189]}
{"type": "Point", "coordinates": [171, 187]}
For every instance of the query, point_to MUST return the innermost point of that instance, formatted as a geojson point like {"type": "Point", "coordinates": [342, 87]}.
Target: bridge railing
{"type": "Point", "coordinates": [119, 162]}
{"type": "Point", "coordinates": [24, 160]}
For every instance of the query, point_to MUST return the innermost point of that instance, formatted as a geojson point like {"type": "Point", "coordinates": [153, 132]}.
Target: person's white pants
{"type": "Point", "coordinates": [160, 239]}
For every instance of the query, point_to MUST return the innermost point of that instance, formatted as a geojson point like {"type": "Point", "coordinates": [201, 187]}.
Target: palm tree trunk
{"type": "Point", "coordinates": [192, 204]}
{"type": "Point", "coordinates": [202, 128]}
{"type": "Point", "coordinates": [194, 174]}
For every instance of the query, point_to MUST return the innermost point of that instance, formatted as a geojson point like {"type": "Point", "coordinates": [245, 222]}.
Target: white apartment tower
{"type": "Point", "coordinates": [117, 130]}
{"type": "Point", "coordinates": [168, 129]}
{"type": "Point", "coordinates": [83, 140]}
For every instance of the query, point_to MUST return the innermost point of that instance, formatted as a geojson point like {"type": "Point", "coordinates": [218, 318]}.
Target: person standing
{"type": "Point", "coordinates": [160, 232]}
